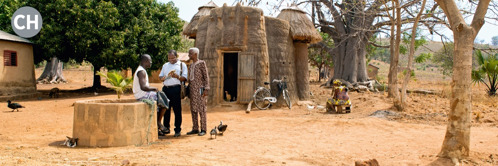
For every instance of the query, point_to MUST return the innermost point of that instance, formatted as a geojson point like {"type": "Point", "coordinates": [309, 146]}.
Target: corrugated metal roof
{"type": "Point", "coordinates": [14, 38]}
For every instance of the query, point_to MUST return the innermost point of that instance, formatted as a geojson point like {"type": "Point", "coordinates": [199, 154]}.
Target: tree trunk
{"type": "Point", "coordinates": [394, 48]}
{"type": "Point", "coordinates": [52, 73]}
{"type": "Point", "coordinates": [410, 57]}
{"type": "Point", "coordinates": [96, 78]}
{"type": "Point", "coordinates": [457, 138]}
{"type": "Point", "coordinates": [349, 60]}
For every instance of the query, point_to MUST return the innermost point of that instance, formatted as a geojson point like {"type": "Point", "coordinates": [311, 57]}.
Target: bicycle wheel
{"type": "Point", "coordinates": [287, 99]}
{"type": "Point", "coordinates": [259, 98]}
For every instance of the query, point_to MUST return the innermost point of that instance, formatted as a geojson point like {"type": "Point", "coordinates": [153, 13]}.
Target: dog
{"type": "Point", "coordinates": [54, 93]}
{"type": "Point", "coordinates": [70, 142]}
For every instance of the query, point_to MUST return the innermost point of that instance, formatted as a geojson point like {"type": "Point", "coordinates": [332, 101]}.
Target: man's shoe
{"type": "Point", "coordinates": [177, 134]}
{"type": "Point", "coordinates": [166, 131]}
{"type": "Point", "coordinates": [163, 129]}
{"type": "Point", "coordinates": [192, 132]}
{"type": "Point", "coordinates": [160, 133]}
{"type": "Point", "coordinates": [202, 133]}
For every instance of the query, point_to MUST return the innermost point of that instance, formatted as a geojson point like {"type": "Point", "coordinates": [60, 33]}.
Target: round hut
{"type": "Point", "coordinates": [303, 33]}
{"type": "Point", "coordinates": [191, 29]}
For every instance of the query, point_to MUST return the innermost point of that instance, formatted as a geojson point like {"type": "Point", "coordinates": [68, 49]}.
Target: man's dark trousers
{"type": "Point", "coordinates": [173, 94]}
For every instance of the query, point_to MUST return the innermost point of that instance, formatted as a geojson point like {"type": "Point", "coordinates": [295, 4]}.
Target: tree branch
{"type": "Point", "coordinates": [336, 15]}
{"type": "Point", "coordinates": [478, 19]}
{"type": "Point", "coordinates": [376, 45]}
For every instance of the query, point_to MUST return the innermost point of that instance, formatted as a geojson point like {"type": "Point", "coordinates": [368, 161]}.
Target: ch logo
{"type": "Point", "coordinates": [26, 22]}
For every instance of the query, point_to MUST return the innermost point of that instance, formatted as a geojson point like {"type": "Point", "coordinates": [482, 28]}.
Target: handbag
{"type": "Point", "coordinates": [184, 90]}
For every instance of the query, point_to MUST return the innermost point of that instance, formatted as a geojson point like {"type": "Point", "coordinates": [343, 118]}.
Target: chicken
{"type": "Point", "coordinates": [14, 106]}
{"type": "Point", "coordinates": [310, 107]}
{"type": "Point", "coordinates": [228, 97]}
{"type": "Point", "coordinates": [222, 127]}
{"type": "Point", "coordinates": [213, 132]}
{"type": "Point", "coordinates": [54, 93]}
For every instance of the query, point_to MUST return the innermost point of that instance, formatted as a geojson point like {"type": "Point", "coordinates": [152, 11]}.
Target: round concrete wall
{"type": "Point", "coordinates": [108, 123]}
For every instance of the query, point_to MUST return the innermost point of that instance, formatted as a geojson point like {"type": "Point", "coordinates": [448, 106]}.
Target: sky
{"type": "Point", "coordinates": [188, 8]}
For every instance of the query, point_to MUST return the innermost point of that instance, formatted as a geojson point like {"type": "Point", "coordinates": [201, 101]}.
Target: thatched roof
{"type": "Point", "coordinates": [191, 29]}
{"type": "Point", "coordinates": [302, 28]}
{"type": "Point", "coordinates": [14, 38]}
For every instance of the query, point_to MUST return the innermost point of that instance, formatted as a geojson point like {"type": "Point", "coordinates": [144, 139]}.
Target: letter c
{"type": "Point", "coordinates": [17, 25]}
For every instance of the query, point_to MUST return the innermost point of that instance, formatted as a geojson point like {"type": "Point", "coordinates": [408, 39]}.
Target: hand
{"type": "Point", "coordinates": [204, 93]}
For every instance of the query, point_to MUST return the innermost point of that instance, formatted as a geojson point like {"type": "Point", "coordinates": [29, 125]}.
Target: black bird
{"type": "Point", "coordinates": [14, 106]}
{"type": "Point", "coordinates": [213, 132]}
{"type": "Point", "coordinates": [222, 127]}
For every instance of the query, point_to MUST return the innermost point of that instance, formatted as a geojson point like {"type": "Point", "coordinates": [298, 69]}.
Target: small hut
{"type": "Point", "coordinates": [17, 71]}
{"type": "Point", "coordinates": [302, 32]}
{"type": "Point", "coordinates": [243, 49]}
{"type": "Point", "coordinates": [191, 28]}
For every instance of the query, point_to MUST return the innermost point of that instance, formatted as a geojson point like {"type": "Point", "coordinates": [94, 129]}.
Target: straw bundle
{"type": "Point", "coordinates": [302, 28]}
{"type": "Point", "coordinates": [191, 29]}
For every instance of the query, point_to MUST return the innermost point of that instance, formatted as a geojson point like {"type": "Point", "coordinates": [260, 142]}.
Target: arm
{"type": "Point", "coordinates": [162, 77]}
{"type": "Point", "coordinates": [184, 73]}
{"type": "Point", "coordinates": [205, 77]}
{"type": "Point", "coordinates": [142, 82]}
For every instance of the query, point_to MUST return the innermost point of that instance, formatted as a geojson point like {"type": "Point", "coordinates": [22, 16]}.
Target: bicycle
{"type": "Point", "coordinates": [263, 98]}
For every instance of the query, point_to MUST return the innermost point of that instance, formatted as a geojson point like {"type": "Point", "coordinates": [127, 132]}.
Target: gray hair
{"type": "Point", "coordinates": [194, 49]}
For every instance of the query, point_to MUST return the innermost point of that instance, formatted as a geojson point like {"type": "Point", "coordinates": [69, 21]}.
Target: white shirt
{"type": "Point", "coordinates": [168, 67]}
{"type": "Point", "coordinates": [137, 91]}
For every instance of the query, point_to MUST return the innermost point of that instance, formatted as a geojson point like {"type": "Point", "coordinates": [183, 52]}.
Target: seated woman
{"type": "Point", "coordinates": [339, 98]}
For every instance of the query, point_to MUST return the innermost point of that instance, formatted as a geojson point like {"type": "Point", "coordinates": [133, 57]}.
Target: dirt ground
{"type": "Point", "coordinates": [278, 136]}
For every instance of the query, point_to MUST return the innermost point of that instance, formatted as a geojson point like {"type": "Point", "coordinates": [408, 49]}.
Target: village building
{"type": "Point", "coordinates": [243, 49]}
{"type": "Point", "coordinates": [17, 70]}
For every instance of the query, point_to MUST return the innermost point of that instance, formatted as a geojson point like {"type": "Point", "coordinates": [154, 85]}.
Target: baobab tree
{"type": "Point", "coordinates": [351, 23]}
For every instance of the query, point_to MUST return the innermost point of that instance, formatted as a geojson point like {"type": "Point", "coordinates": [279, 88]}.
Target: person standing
{"type": "Point", "coordinates": [173, 73]}
{"type": "Point", "coordinates": [199, 86]}
{"type": "Point", "coordinates": [141, 88]}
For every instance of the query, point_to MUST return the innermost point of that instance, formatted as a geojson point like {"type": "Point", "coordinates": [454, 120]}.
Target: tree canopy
{"type": "Point", "coordinates": [106, 33]}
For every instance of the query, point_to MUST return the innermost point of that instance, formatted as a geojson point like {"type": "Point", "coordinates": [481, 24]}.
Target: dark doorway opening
{"type": "Point", "coordinates": [230, 74]}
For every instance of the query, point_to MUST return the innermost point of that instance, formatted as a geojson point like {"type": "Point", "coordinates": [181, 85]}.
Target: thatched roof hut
{"type": "Point", "coordinates": [302, 32]}
{"type": "Point", "coordinates": [243, 49]}
{"type": "Point", "coordinates": [191, 29]}
{"type": "Point", "coordinates": [301, 27]}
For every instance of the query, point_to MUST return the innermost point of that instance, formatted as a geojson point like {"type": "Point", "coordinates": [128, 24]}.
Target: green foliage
{"type": "Point", "coordinates": [319, 56]}
{"type": "Point", "coordinates": [487, 72]}
{"type": "Point", "coordinates": [106, 33]}
{"type": "Point", "coordinates": [118, 82]}
{"type": "Point", "coordinates": [444, 57]}
{"type": "Point", "coordinates": [186, 45]}
{"type": "Point", "coordinates": [403, 74]}
{"type": "Point", "coordinates": [7, 9]}
{"type": "Point", "coordinates": [423, 57]}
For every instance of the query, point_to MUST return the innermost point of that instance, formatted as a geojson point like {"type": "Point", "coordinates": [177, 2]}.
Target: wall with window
{"type": "Point", "coordinates": [17, 73]}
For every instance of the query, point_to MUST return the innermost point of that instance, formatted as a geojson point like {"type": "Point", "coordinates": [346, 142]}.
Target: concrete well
{"type": "Point", "coordinates": [109, 123]}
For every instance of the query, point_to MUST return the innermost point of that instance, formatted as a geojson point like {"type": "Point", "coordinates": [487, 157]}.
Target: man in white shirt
{"type": "Point", "coordinates": [173, 73]}
{"type": "Point", "coordinates": [141, 88]}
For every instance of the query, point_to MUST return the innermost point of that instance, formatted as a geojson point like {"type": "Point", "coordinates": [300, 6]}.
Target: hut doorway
{"type": "Point", "coordinates": [230, 76]}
